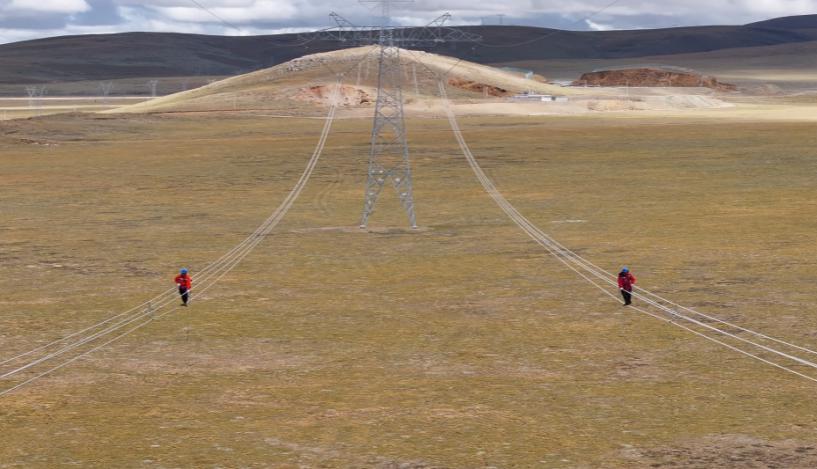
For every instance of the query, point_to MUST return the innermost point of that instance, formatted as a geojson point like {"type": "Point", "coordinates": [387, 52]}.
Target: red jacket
{"type": "Point", "coordinates": [626, 281]}
{"type": "Point", "coordinates": [184, 280]}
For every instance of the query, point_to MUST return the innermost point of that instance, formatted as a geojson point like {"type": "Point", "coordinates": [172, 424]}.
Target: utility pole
{"type": "Point", "coordinates": [414, 75]}
{"type": "Point", "coordinates": [389, 154]}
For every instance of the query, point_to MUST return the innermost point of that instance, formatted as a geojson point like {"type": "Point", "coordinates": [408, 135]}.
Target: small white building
{"type": "Point", "coordinates": [546, 98]}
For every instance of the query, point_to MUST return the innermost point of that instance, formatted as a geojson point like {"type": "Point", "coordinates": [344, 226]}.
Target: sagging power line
{"type": "Point", "coordinates": [776, 350]}
{"type": "Point", "coordinates": [153, 309]}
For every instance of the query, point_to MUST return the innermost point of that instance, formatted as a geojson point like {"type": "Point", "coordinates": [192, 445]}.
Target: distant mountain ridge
{"type": "Point", "coordinates": [135, 55]}
{"type": "Point", "coordinates": [789, 22]}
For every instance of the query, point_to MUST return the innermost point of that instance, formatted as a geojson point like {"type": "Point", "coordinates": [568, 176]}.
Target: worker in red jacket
{"type": "Point", "coordinates": [185, 283]}
{"type": "Point", "coordinates": [626, 280]}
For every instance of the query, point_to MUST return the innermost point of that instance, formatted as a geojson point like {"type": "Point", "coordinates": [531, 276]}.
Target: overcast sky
{"type": "Point", "coordinates": [29, 19]}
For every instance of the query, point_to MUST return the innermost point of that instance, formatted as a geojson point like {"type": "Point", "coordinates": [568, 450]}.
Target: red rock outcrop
{"type": "Point", "coordinates": [651, 77]}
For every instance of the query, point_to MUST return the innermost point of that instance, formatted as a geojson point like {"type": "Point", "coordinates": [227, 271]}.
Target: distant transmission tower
{"type": "Point", "coordinates": [152, 84]}
{"type": "Point", "coordinates": [35, 96]}
{"type": "Point", "coordinates": [105, 87]}
{"type": "Point", "coordinates": [388, 154]}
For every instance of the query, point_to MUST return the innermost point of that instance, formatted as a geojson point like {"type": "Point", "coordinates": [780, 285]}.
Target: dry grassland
{"type": "Point", "coordinates": [459, 345]}
{"type": "Point", "coordinates": [22, 108]}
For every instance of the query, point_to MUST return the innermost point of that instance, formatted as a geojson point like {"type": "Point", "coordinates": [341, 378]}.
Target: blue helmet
{"type": "Point", "coordinates": [183, 271]}
{"type": "Point", "coordinates": [625, 270]}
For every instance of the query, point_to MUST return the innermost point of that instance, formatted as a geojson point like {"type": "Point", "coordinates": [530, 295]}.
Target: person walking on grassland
{"type": "Point", "coordinates": [184, 282]}
{"type": "Point", "coordinates": [626, 280]}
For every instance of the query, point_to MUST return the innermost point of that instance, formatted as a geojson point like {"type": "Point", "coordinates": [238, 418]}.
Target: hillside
{"type": "Point", "coordinates": [789, 22]}
{"type": "Point", "coordinates": [138, 55]}
{"type": "Point", "coordinates": [305, 84]}
{"type": "Point", "coordinates": [791, 67]}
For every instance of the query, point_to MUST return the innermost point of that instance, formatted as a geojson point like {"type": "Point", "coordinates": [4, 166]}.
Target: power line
{"type": "Point", "coordinates": [233, 26]}
{"type": "Point", "coordinates": [536, 39]}
{"type": "Point", "coordinates": [148, 315]}
{"type": "Point", "coordinates": [389, 161]}
{"type": "Point", "coordinates": [214, 15]}
{"type": "Point", "coordinates": [220, 268]}
{"type": "Point", "coordinates": [530, 41]}
{"type": "Point", "coordinates": [586, 270]}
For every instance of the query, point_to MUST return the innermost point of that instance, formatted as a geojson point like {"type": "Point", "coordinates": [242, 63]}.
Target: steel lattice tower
{"type": "Point", "coordinates": [389, 155]}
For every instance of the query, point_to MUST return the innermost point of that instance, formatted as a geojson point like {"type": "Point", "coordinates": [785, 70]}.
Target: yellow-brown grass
{"type": "Point", "coordinates": [459, 345]}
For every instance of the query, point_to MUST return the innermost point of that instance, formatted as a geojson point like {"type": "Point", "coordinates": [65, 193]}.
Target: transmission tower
{"type": "Point", "coordinates": [389, 154]}
{"type": "Point", "coordinates": [152, 84]}
{"type": "Point", "coordinates": [105, 87]}
{"type": "Point", "coordinates": [35, 94]}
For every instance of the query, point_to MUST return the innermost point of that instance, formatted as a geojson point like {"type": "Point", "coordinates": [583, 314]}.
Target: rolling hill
{"type": "Point", "coordinates": [139, 55]}
{"type": "Point", "coordinates": [301, 84]}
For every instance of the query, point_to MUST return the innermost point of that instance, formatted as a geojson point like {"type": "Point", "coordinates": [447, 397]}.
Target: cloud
{"type": "Point", "coordinates": [598, 26]}
{"type": "Point", "coordinates": [256, 11]}
{"type": "Point", "coordinates": [23, 19]}
{"type": "Point", "coordinates": [102, 12]}
{"type": "Point", "coordinates": [48, 6]}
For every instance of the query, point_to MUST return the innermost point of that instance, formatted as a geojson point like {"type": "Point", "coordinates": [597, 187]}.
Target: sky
{"type": "Point", "coordinates": [31, 19]}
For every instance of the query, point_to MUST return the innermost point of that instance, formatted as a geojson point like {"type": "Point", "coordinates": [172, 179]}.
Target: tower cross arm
{"type": "Point", "coordinates": [436, 35]}
{"type": "Point", "coordinates": [437, 32]}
